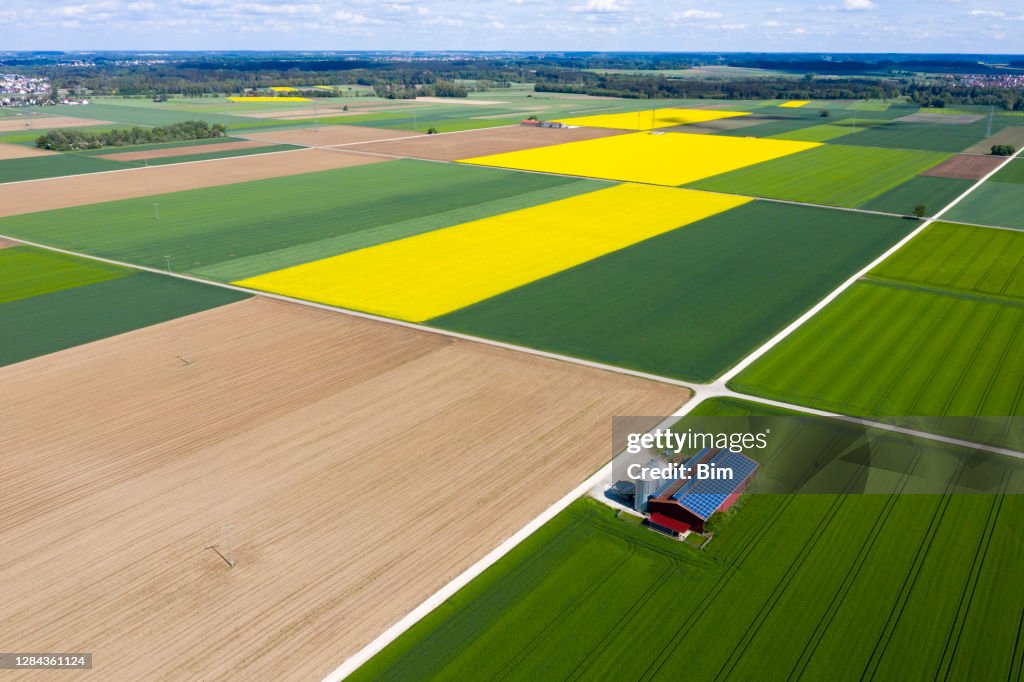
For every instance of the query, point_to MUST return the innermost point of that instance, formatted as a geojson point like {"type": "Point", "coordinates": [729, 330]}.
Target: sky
{"type": "Point", "coordinates": [978, 26]}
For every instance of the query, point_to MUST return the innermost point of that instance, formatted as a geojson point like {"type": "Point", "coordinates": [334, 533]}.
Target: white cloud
{"type": "Point", "coordinates": [696, 14]}
{"type": "Point", "coordinates": [858, 5]}
{"type": "Point", "coordinates": [349, 17]}
{"type": "Point", "coordinates": [602, 6]}
{"type": "Point", "coordinates": [732, 27]}
{"type": "Point", "coordinates": [771, 23]}
{"type": "Point", "coordinates": [986, 13]}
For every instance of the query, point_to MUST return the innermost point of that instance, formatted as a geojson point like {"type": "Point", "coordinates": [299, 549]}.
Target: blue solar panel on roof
{"type": "Point", "coordinates": [707, 495]}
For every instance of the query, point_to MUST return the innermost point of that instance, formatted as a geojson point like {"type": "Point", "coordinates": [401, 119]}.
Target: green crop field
{"type": "Point", "coordinates": [35, 326]}
{"type": "Point", "coordinates": [936, 331]}
{"type": "Point", "coordinates": [36, 167]}
{"type": "Point", "coordinates": [691, 302]}
{"type": "Point", "coordinates": [818, 133]}
{"type": "Point", "coordinates": [26, 272]}
{"type": "Point", "coordinates": [844, 587]}
{"type": "Point", "coordinates": [836, 175]}
{"type": "Point", "coordinates": [131, 114]}
{"type": "Point", "coordinates": [994, 203]}
{"type": "Point", "coordinates": [250, 228]}
{"type": "Point", "coordinates": [934, 193]}
{"type": "Point", "coordinates": [929, 136]}
{"type": "Point", "coordinates": [1012, 172]}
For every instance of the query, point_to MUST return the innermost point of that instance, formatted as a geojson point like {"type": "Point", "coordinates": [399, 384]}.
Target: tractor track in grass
{"type": "Point", "coordinates": [909, 580]}
{"type": "Point", "coordinates": [967, 594]}
{"type": "Point", "coordinates": [852, 573]}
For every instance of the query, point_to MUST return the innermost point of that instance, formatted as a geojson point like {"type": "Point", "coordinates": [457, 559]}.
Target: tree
{"type": "Point", "coordinates": [920, 211]}
{"type": "Point", "coordinates": [824, 113]}
{"type": "Point", "coordinates": [1003, 150]}
{"type": "Point", "coordinates": [431, 130]}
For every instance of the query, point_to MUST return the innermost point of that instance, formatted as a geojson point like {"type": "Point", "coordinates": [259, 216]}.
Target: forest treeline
{"type": "Point", "coordinates": [71, 139]}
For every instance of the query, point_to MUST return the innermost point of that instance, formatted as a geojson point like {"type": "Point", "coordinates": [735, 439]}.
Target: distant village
{"type": "Point", "coordinates": [1009, 80]}
{"type": "Point", "coordinates": [25, 91]}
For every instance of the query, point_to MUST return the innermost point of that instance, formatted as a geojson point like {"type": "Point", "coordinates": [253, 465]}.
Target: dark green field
{"type": "Point", "coordinates": [933, 193]}
{"type": "Point", "coordinates": [838, 587]}
{"type": "Point", "coordinates": [692, 302]}
{"type": "Point", "coordinates": [928, 136]}
{"type": "Point", "coordinates": [223, 154]}
{"type": "Point", "coordinates": [938, 330]}
{"type": "Point", "coordinates": [994, 203]}
{"type": "Point", "coordinates": [36, 167]}
{"type": "Point", "coordinates": [832, 174]}
{"type": "Point", "coordinates": [246, 229]}
{"type": "Point", "coordinates": [35, 326]}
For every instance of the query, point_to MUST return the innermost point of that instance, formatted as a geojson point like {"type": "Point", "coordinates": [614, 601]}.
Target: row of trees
{"type": "Point", "coordinates": [66, 140]}
{"type": "Point", "coordinates": [412, 91]}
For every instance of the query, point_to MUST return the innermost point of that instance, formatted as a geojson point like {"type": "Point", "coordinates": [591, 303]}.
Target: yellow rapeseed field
{"type": "Point", "coordinates": [651, 119]}
{"type": "Point", "coordinates": [794, 103]}
{"type": "Point", "coordinates": [421, 277]}
{"type": "Point", "coordinates": [269, 99]}
{"type": "Point", "coordinates": [282, 88]}
{"type": "Point", "coordinates": [655, 158]}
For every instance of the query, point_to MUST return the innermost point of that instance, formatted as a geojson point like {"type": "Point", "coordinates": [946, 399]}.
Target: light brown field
{"type": "Point", "coordinates": [965, 167]}
{"type": "Point", "coordinates": [483, 142]}
{"type": "Point", "coordinates": [7, 243]}
{"type": "Point", "coordinates": [17, 151]}
{"type": "Point", "coordinates": [1012, 135]}
{"type": "Point", "coordinates": [183, 151]}
{"type": "Point", "coordinates": [78, 190]}
{"type": "Point", "coordinates": [361, 466]}
{"type": "Point", "coordinates": [11, 124]}
{"type": "Point", "coordinates": [328, 136]}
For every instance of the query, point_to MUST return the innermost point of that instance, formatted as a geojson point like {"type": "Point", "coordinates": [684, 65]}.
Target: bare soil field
{"type": "Point", "coordinates": [482, 142]}
{"type": "Point", "coordinates": [78, 190]}
{"type": "Point", "coordinates": [1013, 135]}
{"type": "Point", "coordinates": [360, 465]}
{"type": "Point", "coordinates": [17, 151]}
{"type": "Point", "coordinates": [965, 166]}
{"type": "Point", "coordinates": [7, 243]}
{"type": "Point", "coordinates": [182, 151]}
{"type": "Point", "coordinates": [328, 136]}
{"type": "Point", "coordinates": [46, 123]}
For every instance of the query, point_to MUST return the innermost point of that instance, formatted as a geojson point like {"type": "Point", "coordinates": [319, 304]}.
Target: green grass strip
{"type": "Point", "coordinates": [27, 272]}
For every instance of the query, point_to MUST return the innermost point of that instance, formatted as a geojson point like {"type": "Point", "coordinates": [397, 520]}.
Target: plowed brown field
{"type": "Point", "coordinates": [328, 136]}
{"type": "Point", "coordinates": [18, 151]}
{"type": "Point", "coordinates": [361, 466]}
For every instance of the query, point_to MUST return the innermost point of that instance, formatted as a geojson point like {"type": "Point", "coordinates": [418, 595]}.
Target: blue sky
{"type": "Point", "coordinates": [995, 26]}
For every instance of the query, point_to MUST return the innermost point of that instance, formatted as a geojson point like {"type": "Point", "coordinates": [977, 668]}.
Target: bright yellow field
{"type": "Point", "coordinates": [653, 118]}
{"type": "Point", "coordinates": [659, 159]}
{"type": "Point", "coordinates": [282, 88]}
{"type": "Point", "coordinates": [437, 272]}
{"type": "Point", "coordinates": [794, 103]}
{"type": "Point", "coordinates": [269, 99]}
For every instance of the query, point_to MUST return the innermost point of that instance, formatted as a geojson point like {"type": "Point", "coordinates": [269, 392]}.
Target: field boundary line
{"type": "Point", "coordinates": [835, 293]}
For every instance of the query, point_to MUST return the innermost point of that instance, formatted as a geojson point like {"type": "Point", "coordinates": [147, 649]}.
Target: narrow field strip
{"type": "Point", "coordinates": [26, 272]}
{"type": "Point", "coordinates": [435, 273]}
{"type": "Point", "coordinates": [659, 159]}
{"type": "Point", "coordinates": [651, 119]}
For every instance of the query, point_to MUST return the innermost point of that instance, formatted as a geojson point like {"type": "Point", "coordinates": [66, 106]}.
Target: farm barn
{"type": "Point", "coordinates": [686, 503]}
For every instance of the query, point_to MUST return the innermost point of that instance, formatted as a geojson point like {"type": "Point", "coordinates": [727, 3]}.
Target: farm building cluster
{"type": "Point", "coordinates": [685, 498]}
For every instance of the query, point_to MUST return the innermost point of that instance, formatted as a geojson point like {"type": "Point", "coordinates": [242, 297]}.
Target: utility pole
{"type": "Point", "coordinates": [156, 211]}
{"type": "Point", "coordinates": [168, 260]}
{"type": "Point", "coordinates": [991, 113]}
